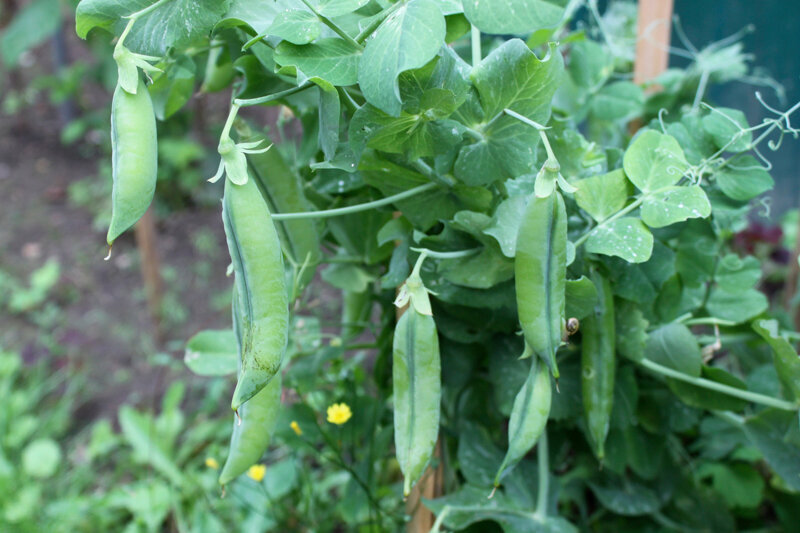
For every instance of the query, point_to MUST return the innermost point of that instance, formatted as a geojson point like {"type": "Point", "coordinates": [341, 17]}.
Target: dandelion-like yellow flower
{"type": "Point", "coordinates": [296, 428]}
{"type": "Point", "coordinates": [339, 413]}
{"type": "Point", "coordinates": [212, 463]}
{"type": "Point", "coordinates": [257, 472]}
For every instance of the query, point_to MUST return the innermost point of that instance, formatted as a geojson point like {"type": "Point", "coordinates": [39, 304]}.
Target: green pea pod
{"type": "Point", "coordinates": [417, 388]}
{"type": "Point", "coordinates": [284, 193]}
{"type": "Point", "coordinates": [540, 270]}
{"type": "Point", "coordinates": [260, 287]}
{"type": "Point", "coordinates": [356, 308]}
{"type": "Point", "coordinates": [134, 158]}
{"type": "Point", "coordinates": [598, 365]}
{"type": "Point", "coordinates": [528, 417]}
{"type": "Point", "coordinates": [219, 69]}
{"type": "Point", "coordinates": [253, 428]}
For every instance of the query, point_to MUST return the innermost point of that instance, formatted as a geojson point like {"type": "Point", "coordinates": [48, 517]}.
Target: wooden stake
{"type": "Point", "coordinates": [146, 242]}
{"type": "Point", "coordinates": [429, 487]}
{"type": "Point", "coordinates": [653, 37]}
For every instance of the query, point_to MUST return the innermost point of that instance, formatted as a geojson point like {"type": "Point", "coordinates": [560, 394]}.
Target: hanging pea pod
{"type": "Point", "coordinates": [356, 308]}
{"type": "Point", "coordinates": [598, 365]}
{"type": "Point", "coordinates": [528, 416]}
{"type": "Point", "coordinates": [260, 286]}
{"type": "Point", "coordinates": [253, 427]}
{"type": "Point", "coordinates": [283, 191]}
{"type": "Point", "coordinates": [134, 158]}
{"type": "Point", "coordinates": [540, 269]}
{"type": "Point", "coordinates": [416, 377]}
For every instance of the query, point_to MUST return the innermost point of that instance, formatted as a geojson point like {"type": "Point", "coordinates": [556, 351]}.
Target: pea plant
{"type": "Point", "coordinates": [534, 289]}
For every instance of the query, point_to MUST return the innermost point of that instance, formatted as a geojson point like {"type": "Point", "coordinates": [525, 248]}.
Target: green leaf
{"type": "Point", "coordinates": [625, 237]}
{"type": "Point", "coordinates": [172, 24]}
{"type": "Point", "coordinates": [510, 77]}
{"type": "Point", "coordinates": [590, 64]}
{"type": "Point", "coordinates": [258, 14]}
{"type": "Point", "coordinates": [334, 60]}
{"type": "Point", "coordinates": [654, 161]}
{"type": "Point", "coordinates": [212, 353]}
{"type": "Point", "coordinates": [513, 16]}
{"type": "Point", "coordinates": [298, 26]}
{"type": "Point", "coordinates": [787, 363]}
{"type": "Point", "coordinates": [774, 433]}
{"type": "Point", "coordinates": [740, 484]}
{"type": "Point", "coordinates": [505, 223]}
{"type": "Point", "coordinates": [40, 458]}
{"type": "Point", "coordinates": [30, 26]}
{"type": "Point", "coordinates": [726, 126]}
{"type": "Point", "coordinates": [624, 496]}
{"type": "Point", "coordinates": [138, 432]}
{"type": "Point", "coordinates": [674, 346]}
{"type": "Point", "coordinates": [329, 114]}
{"type": "Point", "coordinates": [481, 271]}
{"type": "Point", "coordinates": [631, 331]}
{"type": "Point", "coordinates": [737, 274]}
{"type": "Point", "coordinates": [408, 39]}
{"type": "Point", "coordinates": [736, 306]}
{"type": "Point", "coordinates": [347, 277]}
{"type": "Point", "coordinates": [675, 204]}
{"type": "Point", "coordinates": [618, 101]}
{"type": "Point", "coordinates": [744, 178]}
{"type": "Point", "coordinates": [581, 297]}
{"type": "Point", "coordinates": [702, 398]}
{"type": "Point", "coordinates": [602, 196]}
{"type": "Point", "coordinates": [336, 8]}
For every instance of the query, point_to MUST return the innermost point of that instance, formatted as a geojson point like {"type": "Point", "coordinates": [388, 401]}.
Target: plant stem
{"type": "Point", "coordinates": [525, 119]}
{"type": "Point", "coordinates": [447, 255]}
{"type": "Point", "coordinates": [719, 387]}
{"type": "Point", "coordinates": [543, 459]}
{"type": "Point", "coordinates": [736, 420]}
{"type": "Point", "coordinates": [701, 89]}
{"type": "Point", "coordinates": [709, 320]}
{"type": "Point", "coordinates": [475, 39]}
{"type": "Point", "coordinates": [226, 130]}
{"type": "Point", "coordinates": [272, 97]}
{"type": "Point", "coordinates": [355, 208]}
{"type": "Point", "coordinates": [437, 526]}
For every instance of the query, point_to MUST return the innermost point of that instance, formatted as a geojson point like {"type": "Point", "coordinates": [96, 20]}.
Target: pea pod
{"type": "Point", "coordinates": [528, 417]}
{"type": "Point", "coordinates": [134, 158]}
{"type": "Point", "coordinates": [417, 390]}
{"type": "Point", "coordinates": [283, 191]}
{"type": "Point", "coordinates": [540, 269]}
{"type": "Point", "coordinates": [356, 308]}
{"type": "Point", "coordinates": [260, 287]}
{"type": "Point", "coordinates": [252, 433]}
{"type": "Point", "coordinates": [598, 365]}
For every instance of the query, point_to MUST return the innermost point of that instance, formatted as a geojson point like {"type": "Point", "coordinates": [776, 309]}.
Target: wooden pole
{"type": "Point", "coordinates": [653, 37]}
{"type": "Point", "coordinates": [146, 240]}
{"type": "Point", "coordinates": [429, 487]}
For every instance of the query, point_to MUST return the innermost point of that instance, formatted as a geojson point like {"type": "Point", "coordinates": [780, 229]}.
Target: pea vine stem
{"type": "Point", "coordinates": [340, 211]}
{"type": "Point", "coordinates": [621, 213]}
{"type": "Point", "coordinates": [475, 40]}
{"type": "Point", "coordinates": [719, 387]}
{"type": "Point", "coordinates": [245, 102]}
{"type": "Point", "coordinates": [333, 26]}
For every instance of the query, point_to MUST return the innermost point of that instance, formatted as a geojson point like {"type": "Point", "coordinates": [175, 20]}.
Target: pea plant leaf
{"type": "Point", "coordinates": [787, 362]}
{"type": "Point", "coordinates": [257, 14]}
{"type": "Point", "coordinates": [172, 24]}
{"type": "Point", "coordinates": [513, 16]}
{"type": "Point", "coordinates": [298, 26]}
{"type": "Point", "coordinates": [744, 178]}
{"type": "Point", "coordinates": [212, 353]}
{"type": "Point", "coordinates": [602, 196]}
{"type": "Point", "coordinates": [618, 101]}
{"type": "Point", "coordinates": [674, 346]}
{"type": "Point", "coordinates": [674, 204]}
{"type": "Point", "coordinates": [510, 77]}
{"type": "Point", "coordinates": [407, 39]}
{"type": "Point", "coordinates": [654, 161]}
{"type": "Point", "coordinates": [626, 237]}
{"type": "Point", "coordinates": [728, 129]}
{"type": "Point", "coordinates": [334, 60]}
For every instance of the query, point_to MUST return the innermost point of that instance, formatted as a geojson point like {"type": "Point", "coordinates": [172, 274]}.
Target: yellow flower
{"type": "Point", "coordinates": [212, 463]}
{"type": "Point", "coordinates": [296, 427]}
{"type": "Point", "coordinates": [339, 413]}
{"type": "Point", "coordinates": [256, 472]}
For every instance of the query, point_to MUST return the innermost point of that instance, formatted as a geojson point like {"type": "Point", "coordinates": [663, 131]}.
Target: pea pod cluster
{"type": "Point", "coordinates": [416, 375]}
{"type": "Point", "coordinates": [260, 287]}
{"type": "Point", "coordinates": [256, 419]}
{"type": "Point", "coordinates": [283, 190]}
{"type": "Point", "coordinates": [540, 269]}
{"type": "Point", "coordinates": [134, 157]}
{"type": "Point", "coordinates": [598, 365]}
{"type": "Point", "coordinates": [528, 417]}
